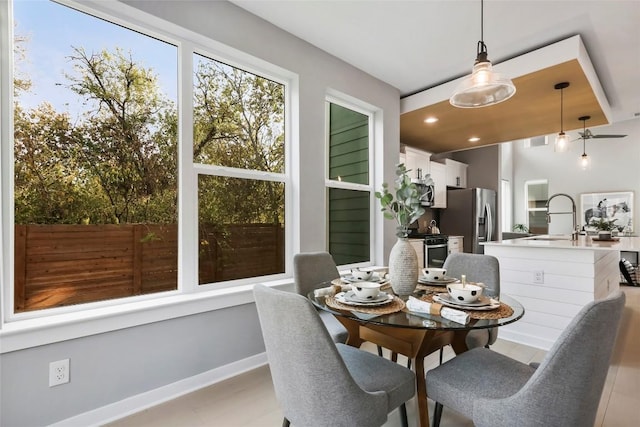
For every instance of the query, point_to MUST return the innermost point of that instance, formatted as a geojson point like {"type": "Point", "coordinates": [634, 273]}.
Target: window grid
{"type": "Point", "coordinates": [188, 171]}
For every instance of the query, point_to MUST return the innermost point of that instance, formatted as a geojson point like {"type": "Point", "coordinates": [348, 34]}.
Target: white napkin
{"type": "Point", "coordinates": [414, 304]}
{"type": "Point", "coordinates": [331, 290]}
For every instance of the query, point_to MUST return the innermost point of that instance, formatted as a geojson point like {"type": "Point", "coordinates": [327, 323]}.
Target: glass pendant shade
{"type": "Point", "coordinates": [585, 162]}
{"type": "Point", "coordinates": [482, 88]}
{"type": "Point", "coordinates": [562, 140]}
{"type": "Point", "coordinates": [562, 143]}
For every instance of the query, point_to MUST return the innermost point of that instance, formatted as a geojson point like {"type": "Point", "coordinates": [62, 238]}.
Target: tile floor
{"type": "Point", "coordinates": [248, 400]}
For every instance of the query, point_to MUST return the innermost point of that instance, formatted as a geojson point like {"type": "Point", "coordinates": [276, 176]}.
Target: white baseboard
{"type": "Point", "coordinates": [137, 403]}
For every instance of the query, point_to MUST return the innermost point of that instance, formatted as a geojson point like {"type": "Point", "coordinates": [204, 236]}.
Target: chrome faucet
{"type": "Point", "coordinates": [574, 232]}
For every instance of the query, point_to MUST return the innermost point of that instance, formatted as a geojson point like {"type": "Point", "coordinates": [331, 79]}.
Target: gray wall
{"type": "Point", "coordinates": [483, 169]}
{"type": "Point", "coordinates": [109, 367]}
{"type": "Point", "coordinates": [484, 166]}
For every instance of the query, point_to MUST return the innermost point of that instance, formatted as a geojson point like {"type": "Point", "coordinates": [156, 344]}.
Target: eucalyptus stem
{"type": "Point", "coordinates": [405, 207]}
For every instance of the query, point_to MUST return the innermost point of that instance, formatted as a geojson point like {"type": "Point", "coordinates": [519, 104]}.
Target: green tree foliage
{"type": "Point", "coordinates": [238, 122]}
{"type": "Point", "coordinates": [118, 162]}
{"type": "Point", "coordinates": [50, 188]}
{"type": "Point", "coordinates": [122, 140]}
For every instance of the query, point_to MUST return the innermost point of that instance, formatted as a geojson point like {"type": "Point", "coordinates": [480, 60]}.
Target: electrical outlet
{"type": "Point", "coordinates": [58, 372]}
{"type": "Point", "coordinates": [538, 276]}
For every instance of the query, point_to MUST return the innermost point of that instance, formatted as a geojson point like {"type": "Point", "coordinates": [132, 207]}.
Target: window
{"type": "Point", "coordinates": [95, 160]}
{"type": "Point", "coordinates": [100, 179]}
{"type": "Point", "coordinates": [238, 125]}
{"type": "Point", "coordinates": [349, 190]}
{"type": "Point", "coordinates": [536, 194]}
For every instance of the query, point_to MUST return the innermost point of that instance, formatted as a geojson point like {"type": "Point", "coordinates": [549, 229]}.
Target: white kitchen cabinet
{"type": "Point", "coordinates": [418, 245]}
{"type": "Point", "coordinates": [455, 244]}
{"type": "Point", "coordinates": [456, 174]}
{"type": "Point", "coordinates": [439, 176]}
{"type": "Point", "coordinates": [417, 159]}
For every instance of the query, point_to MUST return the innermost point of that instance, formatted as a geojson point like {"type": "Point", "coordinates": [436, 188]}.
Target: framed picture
{"type": "Point", "coordinates": [616, 207]}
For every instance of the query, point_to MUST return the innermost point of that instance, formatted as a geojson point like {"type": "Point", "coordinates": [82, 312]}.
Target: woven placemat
{"type": "Point", "coordinates": [396, 305]}
{"type": "Point", "coordinates": [499, 313]}
{"type": "Point", "coordinates": [430, 288]}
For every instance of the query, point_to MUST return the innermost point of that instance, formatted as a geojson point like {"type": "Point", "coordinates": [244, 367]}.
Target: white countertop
{"type": "Point", "coordinates": [631, 244]}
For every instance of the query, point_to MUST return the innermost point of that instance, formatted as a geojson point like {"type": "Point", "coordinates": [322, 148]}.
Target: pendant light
{"type": "Point", "coordinates": [585, 161]}
{"type": "Point", "coordinates": [562, 140]}
{"type": "Point", "coordinates": [484, 86]}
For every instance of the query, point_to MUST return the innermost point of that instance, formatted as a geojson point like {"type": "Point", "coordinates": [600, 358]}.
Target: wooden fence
{"type": "Point", "coordinates": [57, 265]}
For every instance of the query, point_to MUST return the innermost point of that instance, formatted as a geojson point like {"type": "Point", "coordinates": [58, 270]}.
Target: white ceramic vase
{"type": "Point", "coordinates": [403, 267]}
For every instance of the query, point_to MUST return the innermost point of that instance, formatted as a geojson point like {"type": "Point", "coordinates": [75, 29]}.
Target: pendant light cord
{"type": "Point", "coordinates": [562, 110]}
{"type": "Point", "coordinates": [482, 48]}
{"type": "Point", "coordinates": [482, 21]}
{"type": "Point", "coordinates": [584, 139]}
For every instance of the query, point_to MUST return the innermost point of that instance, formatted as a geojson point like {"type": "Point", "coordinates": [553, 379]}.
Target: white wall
{"type": "Point", "coordinates": [110, 367]}
{"type": "Point", "coordinates": [615, 167]}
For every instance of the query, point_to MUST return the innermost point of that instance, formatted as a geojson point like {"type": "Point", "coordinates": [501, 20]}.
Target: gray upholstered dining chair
{"type": "Point", "coordinates": [477, 268]}
{"type": "Point", "coordinates": [319, 382]}
{"type": "Point", "coordinates": [495, 390]}
{"type": "Point", "coordinates": [310, 270]}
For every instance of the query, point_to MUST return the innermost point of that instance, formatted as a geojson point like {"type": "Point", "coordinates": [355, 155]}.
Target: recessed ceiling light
{"type": "Point", "coordinates": [474, 139]}
{"type": "Point", "coordinates": [430, 120]}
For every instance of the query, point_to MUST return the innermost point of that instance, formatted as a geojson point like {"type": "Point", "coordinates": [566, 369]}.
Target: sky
{"type": "Point", "coordinates": [53, 30]}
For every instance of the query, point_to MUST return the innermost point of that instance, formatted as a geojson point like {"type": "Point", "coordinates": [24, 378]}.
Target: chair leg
{"type": "Point", "coordinates": [285, 422]}
{"type": "Point", "coordinates": [437, 414]}
{"type": "Point", "coordinates": [403, 415]}
{"type": "Point", "coordinates": [380, 351]}
{"type": "Point", "coordinates": [441, 353]}
{"type": "Point", "coordinates": [408, 363]}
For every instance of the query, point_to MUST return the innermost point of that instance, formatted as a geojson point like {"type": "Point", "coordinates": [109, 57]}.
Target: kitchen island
{"type": "Point", "coordinates": [553, 277]}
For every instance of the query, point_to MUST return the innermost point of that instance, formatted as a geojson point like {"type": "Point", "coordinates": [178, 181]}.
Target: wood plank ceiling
{"type": "Point", "coordinates": [533, 111]}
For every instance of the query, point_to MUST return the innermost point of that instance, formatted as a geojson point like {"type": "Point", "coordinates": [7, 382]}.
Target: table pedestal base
{"type": "Point", "coordinates": [415, 344]}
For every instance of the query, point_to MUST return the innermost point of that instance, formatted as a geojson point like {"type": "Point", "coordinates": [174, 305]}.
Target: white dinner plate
{"type": "Point", "coordinates": [440, 282]}
{"type": "Point", "coordinates": [375, 279]}
{"type": "Point", "coordinates": [349, 298]}
{"type": "Point", "coordinates": [483, 300]}
{"type": "Point", "coordinates": [485, 303]}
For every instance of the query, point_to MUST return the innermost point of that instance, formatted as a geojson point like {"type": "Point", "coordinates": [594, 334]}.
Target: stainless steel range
{"type": "Point", "coordinates": [435, 247]}
{"type": "Point", "coordinates": [435, 250]}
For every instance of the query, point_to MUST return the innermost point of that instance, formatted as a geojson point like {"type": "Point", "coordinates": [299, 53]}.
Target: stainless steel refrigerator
{"type": "Point", "coordinates": [471, 213]}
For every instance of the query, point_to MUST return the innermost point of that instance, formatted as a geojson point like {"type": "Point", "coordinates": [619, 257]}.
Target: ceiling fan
{"type": "Point", "coordinates": [587, 134]}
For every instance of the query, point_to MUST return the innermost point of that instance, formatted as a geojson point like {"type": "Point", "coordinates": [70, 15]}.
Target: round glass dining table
{"type": "Point", "coordinates": [414, 335]}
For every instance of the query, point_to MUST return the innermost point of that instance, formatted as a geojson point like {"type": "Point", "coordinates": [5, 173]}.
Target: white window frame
{"type": "Point", "coordinates": [349, 102]}
{"type": "Point", "coordinates": [24, 330]}
{"type": "Point", "coordinates": [230, 172]}
{"type": "Point", "coordinates": [527, 209]}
